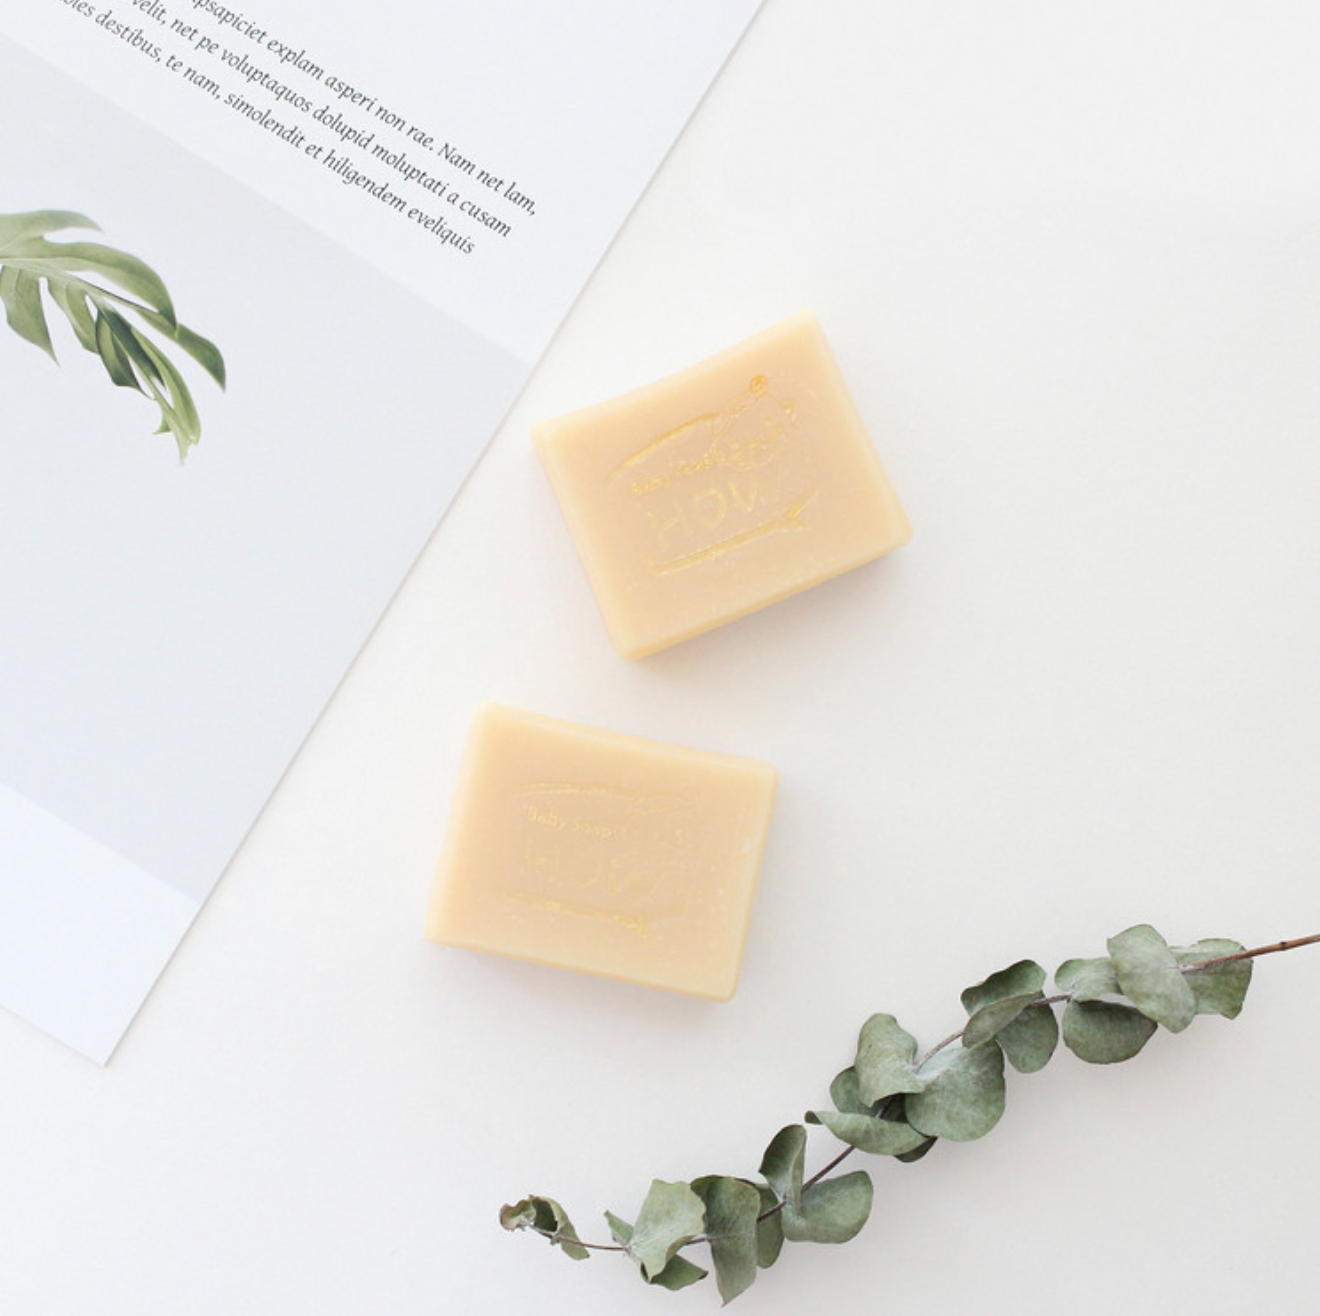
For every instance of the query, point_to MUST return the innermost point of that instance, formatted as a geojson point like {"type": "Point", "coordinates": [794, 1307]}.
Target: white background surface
{"type": "Point", "coordinates": [1068, 259]}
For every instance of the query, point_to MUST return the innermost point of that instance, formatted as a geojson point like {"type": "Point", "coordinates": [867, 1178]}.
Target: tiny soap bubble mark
{"type": "Point", "coordinates": [110, 299]}
{"type": "Point", "coordinates": [896, 1101]}
{"type": "Point", "coordinates": [718, 482]}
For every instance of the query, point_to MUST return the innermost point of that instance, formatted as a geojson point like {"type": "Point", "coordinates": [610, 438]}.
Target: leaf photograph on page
{"type": "Point", "coordinates": [75, 275]}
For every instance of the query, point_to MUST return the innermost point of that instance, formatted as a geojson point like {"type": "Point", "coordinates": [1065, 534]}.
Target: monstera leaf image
{"type": "Point", "coordinates": [118, 307]}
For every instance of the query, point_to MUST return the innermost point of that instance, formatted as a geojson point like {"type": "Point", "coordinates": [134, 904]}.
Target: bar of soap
{"type": "Point", "coordinates": [733, 484]}
{"type": "Point", "coordinates": [606, 853]}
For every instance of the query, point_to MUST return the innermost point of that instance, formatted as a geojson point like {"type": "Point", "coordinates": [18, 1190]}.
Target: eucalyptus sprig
{"type": "Point", "coordinates": [893, 1101]}
{"type": "Point", "coordinates": [98, 289]}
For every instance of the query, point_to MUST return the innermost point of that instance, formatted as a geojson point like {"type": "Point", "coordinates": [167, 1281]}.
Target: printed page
{"type": "Point", "coordinates": [270, 283]}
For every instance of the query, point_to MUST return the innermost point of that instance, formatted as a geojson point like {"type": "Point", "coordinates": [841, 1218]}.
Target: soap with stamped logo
{"type": "Point", "coordinates": [606, 853]}
{"type": "Point", "coordinates": [738, 482]}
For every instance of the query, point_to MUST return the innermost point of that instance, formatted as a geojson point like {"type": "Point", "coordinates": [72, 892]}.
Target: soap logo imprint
{"type": "Point", "coordinates": [601, 852]}
{"type": "Point", "coordinates": [719, 481]}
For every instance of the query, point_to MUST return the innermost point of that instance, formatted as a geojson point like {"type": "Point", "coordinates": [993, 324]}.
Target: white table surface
{"type": "Point", "coordinates": [1069, 258]}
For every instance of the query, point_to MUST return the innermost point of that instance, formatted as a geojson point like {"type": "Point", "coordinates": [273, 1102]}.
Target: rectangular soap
{"type": "Point", "coordinates": [605, 853]}
{"type": "Point", "coordinates": [721, 489]}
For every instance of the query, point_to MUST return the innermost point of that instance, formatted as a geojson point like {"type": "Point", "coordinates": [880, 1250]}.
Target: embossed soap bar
{"type": "Point", "coordinates": [601, 852]}
{"type": "Point", "coordinates": [729, 486]}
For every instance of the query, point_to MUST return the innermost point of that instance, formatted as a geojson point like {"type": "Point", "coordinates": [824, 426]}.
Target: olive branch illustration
{"type": "Point", "coordinates": [101, 292]}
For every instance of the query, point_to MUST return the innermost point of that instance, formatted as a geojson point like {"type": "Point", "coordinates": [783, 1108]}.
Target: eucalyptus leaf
{"type": "Point", "coordinates": [885, 1063]}
{"type": "Point", "coordinates": [1105, 1032]}
{"type": "Point", "coordinates": [1031, 1039]}
{"type": "Point", "coordinates": [671, 1215]}
{"type": "Point", "coordinates": [880, 1137]}
{"type": "Point", "coordinates": [678, 1274]}
{"type": "Point", "coordinates": [1151, 978]}
{"type": "Point", "coordinates": [1087, 980]}
{"type": "Point", "coordinates": [1221, 988]}
{"type": "Point", "coordinates": [990, 1020]}
{"type": "Point", "coordinates": [910, 1158]}
{"type": "Point", "coordinates": [769, 1227]}
{"type": "Point", "coordinates": [1021, 979]}
{"type": "Point", "coordinates": [964, 1095]}
{"type": "Point", "coordinates": [783, 1161]}
{"type": "Point", "coordinates": [831, 1211]}
{"type": "Point", "coordinates": [732, 1207]}
{"type": "Point", "coordinates": [546, 1216]}
{"type": "Point", "coordinates": [846, 1092]}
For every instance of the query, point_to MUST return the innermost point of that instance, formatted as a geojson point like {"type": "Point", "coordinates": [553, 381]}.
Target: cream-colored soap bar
{"type": "Point", "coordinates": [721, 489]}
{"type": "Point", "coordinates": [602, 852]}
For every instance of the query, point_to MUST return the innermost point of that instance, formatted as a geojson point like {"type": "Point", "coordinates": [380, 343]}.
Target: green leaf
{"type": "Point", "coordinates": [1150, 978]}
{"type": "Point", "coordinates": [34, 223]}
{"type": "Point", "coordinates": [880, 1137]}
{"type": "Point", "coordinates": [620, 1230]}
{"type": "Point", "coordinates": [769, 1227]}
{"type": "Point", "coordinates": [1105, 1032]}
{"type": "Point", "coordinates": [178, 412]}
{"type": "Point", "coordinates": [671, 1216]}
{"type": "Point", "coordinates": [115, 267]}
{"type": "Point", "coordinates": [885, 1060]}
{"type": "Point", "coordinates": [831, 1211]}
{"type": "Point", "coordinates": [1222, 988]}
{"type": "Point", "coordinates": [20, 291]}
{"type": "Point", "coordinates": [71, 298]}
{"type": "Point", "coordinates": [964, 1095]}
{"type": "Point", "coordinates": [732, 1206]}
{"type": "Point", "coordinates": [202, 350]}
{"type": "Point", "coordinates": [114, 358]}
{"type": "Point", "coordinates": [1086, 980]}
{"type": "Point", "coordinates": [1031, 1039]}
{"type": "Point", "coordinates": [546, 1216]}
{"type": "Point", "coordinates": [783, 1161]}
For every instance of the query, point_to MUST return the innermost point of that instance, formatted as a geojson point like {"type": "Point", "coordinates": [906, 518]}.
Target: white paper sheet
{"type": "Point", "coordinates": [379, 220]}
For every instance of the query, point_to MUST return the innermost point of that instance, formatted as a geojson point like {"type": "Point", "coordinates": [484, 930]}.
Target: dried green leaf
{"type": "Point", "coordinates": [1087, 980]}
{"type": "Point", "coordinates": [1105, 1032]}
{"type": "Point", "coordinates": [1031, 1039]}
{"type": "Point", "coordinates": [846, 1092]}
{"type": "Point", "coordinates": [1020, 979]}
{"type": "Point", "coordinates": [20, 293]}
{"type": "Point", "coordinates": [885, 1060]}
{"type": "Point", "coordinates": [546, 1216]}
{"type": "Point", "coordinates": [831, 1211]}
{"type": "Point", "coordinates": [678, 1274]}
{"type": "Point", "coordinates": [732, 1206]}
{"type": "Point", "coordinates": [671, 1215]}
{"type": "Point", "coordinates": [1220, 988]}
{"type": "Point", "coordinates": [880, 1137]}
{"type": "Point", "coordinates": [910, 1158]}
{"type": "Point", "coordinates": [769, 1227]}
{"type": "Point", "coordinates": [964, 1096]}
{"type": "Point", "coordinates": [783, 1161]}
{"type": "Point", "coordinates": [1150, 978]}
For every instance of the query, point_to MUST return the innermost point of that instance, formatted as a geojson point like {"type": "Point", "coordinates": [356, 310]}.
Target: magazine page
{"type": "Point", "coordinates": [270, 284]}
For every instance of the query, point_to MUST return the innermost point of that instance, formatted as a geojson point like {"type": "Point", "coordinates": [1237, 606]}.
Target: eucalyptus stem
{"type": "Point", "coordinates": [892, 1102]}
